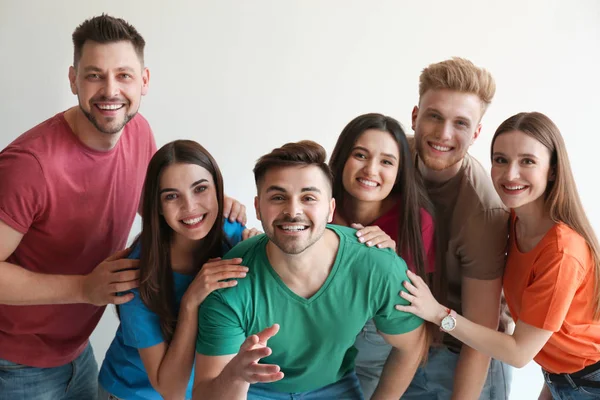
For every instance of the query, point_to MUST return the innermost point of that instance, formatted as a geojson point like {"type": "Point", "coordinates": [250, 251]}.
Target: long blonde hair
{"type": "Point", "coordinates": [561, 197]}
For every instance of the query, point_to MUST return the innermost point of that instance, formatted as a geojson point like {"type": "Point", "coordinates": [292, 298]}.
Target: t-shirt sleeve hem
{"type": "Point", "coordinates": [8, 220]}
{"type": "Point", "coordinates": [545, 325]}
{"type": "Point", "coordinates": [406, 326]}
{"type": "Point", "coordinates": [221, 351]}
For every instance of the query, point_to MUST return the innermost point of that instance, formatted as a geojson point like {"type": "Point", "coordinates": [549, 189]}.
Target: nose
{"type": "Point", "coordinates": [445, 132]}
{"type": "Point", "coordinates": [370, 167]}
{"type": "Point", "coordinates": [111, 87]}
{"type": "Point", "coordinates": [188, 203]}
{"type": "Point", "coordinates": [512, 171]}
{"type": "Point", "coordinates": [293, 208]}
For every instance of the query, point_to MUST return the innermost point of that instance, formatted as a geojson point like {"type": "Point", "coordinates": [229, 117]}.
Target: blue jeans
{"type": "Point", "coordinates": [561, 391]}
{"type": "Point", "coordinates": [346, 388]}
{"type": "Point", "coordinates": [434, 381]}
{"type": "Point", "coordinates": [73, 381]}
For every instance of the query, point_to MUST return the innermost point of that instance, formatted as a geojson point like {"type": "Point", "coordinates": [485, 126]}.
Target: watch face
{"type": "Point", "coordinates": [448, 323]}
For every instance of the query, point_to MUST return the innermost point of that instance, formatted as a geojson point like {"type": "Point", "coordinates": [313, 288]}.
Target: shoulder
{"type": "Point", "coordinates": [565, 244]}
{"type": "Point", "coordinates": [478, 189]}
{"type": "Point", "coordinates": [247, 248]}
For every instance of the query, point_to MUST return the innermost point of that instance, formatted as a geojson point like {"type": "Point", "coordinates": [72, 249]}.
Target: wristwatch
{"type": "Point", "coordinates": [449, 321]}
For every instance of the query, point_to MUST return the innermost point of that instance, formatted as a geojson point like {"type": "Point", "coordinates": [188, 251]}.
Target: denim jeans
{"type": "Point", "coordinates": [346, 388]}
{"type": "Point", "coordinates": [433, 381]}
{"type": "Point", "coordinates": [561, 391]}
{"type": "Point", "coordinates": [73, 381]}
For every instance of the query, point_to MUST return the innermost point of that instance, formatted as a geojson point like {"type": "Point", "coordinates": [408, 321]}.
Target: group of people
{"type": "Point", "coordinates": [396, 269]}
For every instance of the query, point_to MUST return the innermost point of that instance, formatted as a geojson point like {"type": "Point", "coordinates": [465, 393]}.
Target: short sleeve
{"type": "Point", "coordinates": [219, 328]}
{"type": "Point", "coordinates": [483, 249]}
{"type": "Point", "coordinates": [140, 326]}
{"type": "Point", "coordinates": [23, 193]}
{"type": "Point", "coordinates": [546, 301]}
{"type": "Point", "coordinates": [233, 231]}
{"type": "Point", "coordinates": [387, 319]}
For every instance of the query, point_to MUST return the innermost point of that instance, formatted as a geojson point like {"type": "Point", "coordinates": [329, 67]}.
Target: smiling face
{"type": "Point", "coordinates": [446, 123]}
{"type": "Point", "coordinates": [372, 166]}
{"type": "Point", "coordinates": [520, 169]}
{"type": "Point", "coordinates": [188, 200]}
{"type": "Point", "coordinates": [294, 205]}
{"type": "Point", "coordinates": [109, 81]}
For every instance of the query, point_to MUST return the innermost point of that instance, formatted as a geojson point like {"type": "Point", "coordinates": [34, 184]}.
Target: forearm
{"type": "Point", "coordinates": [176, 367]}
{"type": "Point", "coordinates": [470, 374]}
{"type": "Point", "coordinates": [20, 287]}
{"type": "Point", "coordinates": [223, 386]}
{"type": "Point", "coordinates": [398, 372]}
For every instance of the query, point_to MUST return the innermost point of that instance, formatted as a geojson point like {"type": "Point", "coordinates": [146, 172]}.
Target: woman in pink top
{"type": "Point", "coordinates": [375, 185]}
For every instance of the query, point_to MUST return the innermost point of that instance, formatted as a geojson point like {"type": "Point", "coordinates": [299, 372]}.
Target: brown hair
{"type": "Point", "coordinates": [156, 276]}
{"type": "Point", "coordinates": [561, 198]}
{"type": "Point", "coordinates": [461, 75]}
{"type": "Point", "coordinates": [303, 153]}
{"type": "Point", "coordinates": [106, 29]}
{"type": "Point", "coordinates": [408, 185]}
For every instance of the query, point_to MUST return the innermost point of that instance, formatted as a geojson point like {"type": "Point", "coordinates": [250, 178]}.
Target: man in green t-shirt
{"type": "Point", "coordinates": [310, 289]}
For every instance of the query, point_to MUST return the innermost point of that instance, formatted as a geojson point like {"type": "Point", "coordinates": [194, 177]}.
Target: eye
{"type": "Point", "coordinates": [527, 161]}
{"type": "Point", "coordinates": [387, 162]}
{"type": "Point", "coordinates": [360, 155]}
{"type": "Point", "coordinates": [462, 124]}
{"type": "Point", "coordinates": [435, 116]}
{"type": "Point", "coordinates": [499, 160]}
{"type": "Point", "coordinates": [93, 77]}
{"type": "Point", "coordinates": [277, 197]}
{"type": "Point", "coordinates": [126, 76]}
{"type": "Point", "coordinates": [170, 196]}
{"type": "Point", "coordinates": [200, 189]}
{"type": "Point", "coordinates": [309, 198]}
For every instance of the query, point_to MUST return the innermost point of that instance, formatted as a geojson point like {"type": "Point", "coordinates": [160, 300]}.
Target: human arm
{"type": "Point", "coordinates": [230, 376]}
{"type": "Point", "coordinates": [402, 363]}
{"type": "Point", "coordinates": [545, 393]}
{"type": "Point", "coordinates": [169, 365]}
{"type": "Point", "coordinates": [517, 350]}
{"type": "Point", "coordinates": [19, 286]}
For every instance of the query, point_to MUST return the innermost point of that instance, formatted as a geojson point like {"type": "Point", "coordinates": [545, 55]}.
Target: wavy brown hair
{"type": "Point", "coordinates": [156, 275]}
{"type": "Point", "coordinates": [408, 186]}
{"type": "Point", "coordinates": [561, 198]}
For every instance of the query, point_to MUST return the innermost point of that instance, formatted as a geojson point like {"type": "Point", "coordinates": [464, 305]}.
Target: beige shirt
{"type": "Point", "coordinates": [472, 229]}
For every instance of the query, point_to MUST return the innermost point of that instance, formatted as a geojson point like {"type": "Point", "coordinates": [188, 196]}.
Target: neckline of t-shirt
{"type": "Point", "coordinates": [82, 145]}
{"type": "Point", "coordinates": [513, 231]}
{"type": "Point", "coordinates": [289, 292]}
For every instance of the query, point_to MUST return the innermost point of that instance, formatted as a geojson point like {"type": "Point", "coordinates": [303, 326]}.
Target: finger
{"type": "Point", "coordinates": [250, 341]}
{"type": "Point", "coordinates": [415, 279]}
{"type": "Point", "coordinates": [410, 309]}
{"type": "Point", "coordinates": [265, 378]}
{"type": "Point", "coordinates": [373, 238]}
{"type": "Point", "coordinates": [116, 300]}
{"type": "Point", "coordinates": [357, 226]}
{"type": "Point", "coordinates": [387, 244]}
{"type": "Point", "coordinates": [367, 230]}
{"type": "Point", "coordinates": [126, 276]}
{"type": "Point", "coordinates": [209, 266]}
{"type": "Point", "coordinates": [123, 264]}
{"type": "Point", "coordinates": [408, 297]}
{"type": "Point", "coordinates": [242, 217]}
{"type": "Point", "coordinates": [227, 203]}
{"type": "Point", "coordinates": [221, 276]}
{"type": "Point", "coordinates": [261, 369]}
{"type": "Point", "coordinates": [221, 285]}
{"type": "Point", "coordinates": [119, 254]}
{"type": "Point", "coordinates": [236, 207]}
{"type": "Point", "coordinates": [253, 355]}
{"type": "Point", "coordinates": [410, 287]}
{"type": "Point", "coordinates": [123, 286]}
{"type": "Point", "coordinates": [245, 234]}
{"type": "Point", "coordinates": [267, 333]}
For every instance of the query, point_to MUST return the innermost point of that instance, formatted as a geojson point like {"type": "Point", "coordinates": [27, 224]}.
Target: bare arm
{"type": "Point", "coordinates": [517, 349]}
{"type": "Point", "coordinates": [229, 377]}
{"type": "Point", "coordinates": [480, 304]}
{"type": "Point", "coordinates": [402, 363]}
{"type": "Point", "coordinates": [19, 286]}
{"type": "Point", "coordinates": [169, 366]}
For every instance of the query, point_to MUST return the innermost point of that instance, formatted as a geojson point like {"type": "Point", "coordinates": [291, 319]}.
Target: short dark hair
{"type": "Point", "coordinates": [106, 29]}
{"type": "Point", "coordinates": [303, 153]}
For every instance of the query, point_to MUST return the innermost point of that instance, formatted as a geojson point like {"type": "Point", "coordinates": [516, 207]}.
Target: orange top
{"type": "Point", "coordinates": [552, 287]}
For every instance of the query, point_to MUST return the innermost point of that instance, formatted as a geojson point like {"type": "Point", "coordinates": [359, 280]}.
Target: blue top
{"type": "Point", "coordinates": [123, 373]}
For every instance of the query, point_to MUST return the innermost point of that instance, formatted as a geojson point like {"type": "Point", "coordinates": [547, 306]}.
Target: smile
{"type": "Point", "coordinates": [293, 228]}
{"type": "Point", "coordinates": [439, 148]}
{"type": "Point", "coordinates": [193, 221]}
{"type": "Point", "coordinates": [110, 107]}
{"type": "Point", "coordinates": [367, 182]}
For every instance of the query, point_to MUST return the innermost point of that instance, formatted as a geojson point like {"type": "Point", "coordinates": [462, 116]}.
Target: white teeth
{"type": "Point", "coordinates": [293, 228]}
{"type": "Point", "coordinates": [514, 187]}
{"type": "Point", "coordinates": [110, 107]}
{"type": "Point", "coordinates": [368, 183]}
{"type": "Point", "coordinates": [193, 220]}
{"type": "Point", "coordinates": [440, 148]}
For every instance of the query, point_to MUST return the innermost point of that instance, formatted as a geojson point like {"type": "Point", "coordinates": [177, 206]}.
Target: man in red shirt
{"type": "Point", "coordinates": [69, 191]}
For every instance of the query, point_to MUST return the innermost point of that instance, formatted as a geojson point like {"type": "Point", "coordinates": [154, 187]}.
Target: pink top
{"type": "Point", "coordinates": [75, 207]}
{"type": "Point", "coordinates": [388, 223]}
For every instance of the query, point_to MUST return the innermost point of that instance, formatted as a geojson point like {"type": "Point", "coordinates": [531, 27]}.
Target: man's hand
{"type": "Point", "coordinates": [113, 275]}
{"type": "Point", "coordinates": [248, 233]}
{"type": "Point", "coordinates": [374, 236]}
{"type": "Point", "coordinates": [244, 366]}
{"type": "Point", "coordinates": [234, 210]}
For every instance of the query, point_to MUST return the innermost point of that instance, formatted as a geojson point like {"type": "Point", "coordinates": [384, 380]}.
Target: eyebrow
{"type": "Point", "coordinates": [523, 155]}
{"type": "Point", "coordinates": [191, 186]}
{"type": "Point", "coordinates": [367, 151]}
{"type": "Point", "coordinates": [93, 68]}
{"type": "Point", "coordinates": [275, 188]}
{"type": "Point", "coordinates": [461, 117]}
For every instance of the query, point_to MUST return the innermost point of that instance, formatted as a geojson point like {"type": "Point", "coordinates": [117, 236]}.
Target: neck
{"type": "Point", "coordinates": [533, 219]}
{"type": "Point", "coordinates": [306, 272]}
{"type": "Point", "coordinates": [87, 133]}
{"type": "Point", "coordinates": [438, 176]}
{"type": "Point", "coordinates": [354, 211]}
{"type": "Point", "coordinates": [183, 251]}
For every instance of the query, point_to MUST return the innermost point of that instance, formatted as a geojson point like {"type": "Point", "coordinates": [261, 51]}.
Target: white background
{"type": "Point", "coordinates": [243, 77]}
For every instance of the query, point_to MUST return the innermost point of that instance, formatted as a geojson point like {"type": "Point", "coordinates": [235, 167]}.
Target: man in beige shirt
{"type": "Point", "coordinates": [471, 229]}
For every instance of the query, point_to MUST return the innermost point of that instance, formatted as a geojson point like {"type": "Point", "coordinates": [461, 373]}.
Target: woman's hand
{"type": "Point", "coordinates": [422, 302]}
{"type": "Point", "coordinates": [211, 277]}
{"type": "Point", "coordinates": [248, 233]}
{"type": "Point", "coordinates": [374, 236]}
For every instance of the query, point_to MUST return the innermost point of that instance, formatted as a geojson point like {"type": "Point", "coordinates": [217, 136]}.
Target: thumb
{"type": "Point", "coordinates": [267, 334]}
{"type": "Point", "coordinates": [119, 255]}
{"type": "Point", "coordinates": [356, 226]}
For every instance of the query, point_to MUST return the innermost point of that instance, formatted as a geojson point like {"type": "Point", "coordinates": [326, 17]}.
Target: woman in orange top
{"type": "Point", "coordinates": [552, 276]}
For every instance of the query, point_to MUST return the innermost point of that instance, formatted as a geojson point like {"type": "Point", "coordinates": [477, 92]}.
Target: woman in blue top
{"type": "Point", "coordinates": [183, 236]}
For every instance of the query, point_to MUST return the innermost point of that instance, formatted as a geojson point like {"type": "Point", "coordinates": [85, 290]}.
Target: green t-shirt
{"type": "Point", "coordinates": [314, 346]}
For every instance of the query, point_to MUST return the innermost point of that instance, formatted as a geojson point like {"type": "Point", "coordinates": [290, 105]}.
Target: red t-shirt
{"type": "Point", "coordinates": [388, 223]}
{"type": "Point", "coordinates": [75, 207]}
